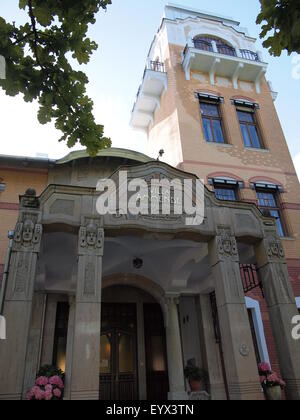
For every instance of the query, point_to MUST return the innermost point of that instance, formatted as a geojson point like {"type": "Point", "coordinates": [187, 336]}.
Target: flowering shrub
{"type": "Point", "coordinates": [47, 388]}
{"type": "Point", "coordinates": [269, 379]}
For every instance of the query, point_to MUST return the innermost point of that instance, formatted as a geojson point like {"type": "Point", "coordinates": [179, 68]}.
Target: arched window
{"type": "Point", "coordinates": [205, 42]}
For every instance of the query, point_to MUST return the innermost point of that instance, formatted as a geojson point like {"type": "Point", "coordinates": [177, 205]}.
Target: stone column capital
{"type": "Point", "coordinates": [172, 299]}
{"type": "Point", "coordinates": [91, 237]}
{"type": "Point", "coordinates": [223, 246]}
{"type": "Point", "coordinates": [28, 232]}
{"type": "Point", "coordinates": [270, 249]}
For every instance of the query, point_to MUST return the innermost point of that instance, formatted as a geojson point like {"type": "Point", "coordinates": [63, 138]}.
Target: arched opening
{"type": "Point", "coordinates": [133, 357]}
{"type": "Point", "coordinates": [205, 42]}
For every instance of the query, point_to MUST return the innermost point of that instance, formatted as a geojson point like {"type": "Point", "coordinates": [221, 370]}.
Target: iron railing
{"type": "Point", "coordinates": [156, 66]}
{"type": "Point", "coordinates": [223, 49]}
{"type": "Point", "coordinates": [250, 278]}
{"type": "Point", "coordinates": [203, 45]}
{"type": "Point", "coordinates": [226, 50]}
{"type": "Point", "coordinates": [249, 55]}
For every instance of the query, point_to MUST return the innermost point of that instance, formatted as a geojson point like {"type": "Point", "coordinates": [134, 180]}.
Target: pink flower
{"type": "Point", "coordinates": [273, 378]}
{"type": "Point", "coordinates": [29, 395]}
{"type": "Point", "coordinates": [57, 381]}
{"type": "Point", "coordinates": [264, 368]}
{"type": "Point", "coordinates": [48, 388]}
{"type": "Point", "coordinates": [48, 395]}
{"type": "Point", "coordinates": [38, 393]}
{"type": "Point", "coordinates": [41, 381]}
{"type": "Point", "coordinates": [57, 393]}
{"type": "Point", "coordinates": [282, 383]}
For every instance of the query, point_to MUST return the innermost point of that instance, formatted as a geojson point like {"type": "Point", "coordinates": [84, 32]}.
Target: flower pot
{"type": "Point", "coordinates": [195, 385]}
{"type": "Point", "coordinates": [273, 393]}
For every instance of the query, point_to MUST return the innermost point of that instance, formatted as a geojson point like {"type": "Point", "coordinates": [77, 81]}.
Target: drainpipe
{"type": "Point", "coordinates": [6, 270]}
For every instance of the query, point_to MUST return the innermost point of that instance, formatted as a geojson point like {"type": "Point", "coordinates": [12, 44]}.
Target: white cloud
{"type": "Point", "coordinates": [297, 164]}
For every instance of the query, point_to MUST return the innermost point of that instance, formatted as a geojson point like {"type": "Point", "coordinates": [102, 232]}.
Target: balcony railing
{"type": "Point", "coordinates": [154, 83]}
{"type": "Point", "coordinates": [224, 50]}
{"type": "Point", "coordinates": [249, 55]}
{"type": "Point", "coordinates": [156, 66]}
{"type": "Point", "coordinates": [203, 45]}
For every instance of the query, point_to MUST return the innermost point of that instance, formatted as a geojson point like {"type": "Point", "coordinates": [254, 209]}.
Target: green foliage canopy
{"type": "Point", "coordinates": [282, 18]}
{"type": "Point", "coordinates": [38, 67]}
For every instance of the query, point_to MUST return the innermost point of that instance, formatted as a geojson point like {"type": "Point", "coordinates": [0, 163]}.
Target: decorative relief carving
{"type": "Point", "coordinates": [244, 350]}
{"type": "Point", "coordinates": [91, 238]}
{"type": "Point", "coordinates": [89, 279]}
{"type": "Point", "coordinates": [28, 233]}
{"type": "Point", "coordinates": [275, 249]}
{"type": "Point", "coordinates": [227, 246]}
{"type": "Point", "coordinates": [22, 271]}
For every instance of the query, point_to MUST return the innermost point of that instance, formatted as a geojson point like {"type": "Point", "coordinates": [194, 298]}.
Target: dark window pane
{"type": "Point", "coordinates": [207, 130]}
{"type": "Point", "coordinates": [209, 110]}
{"type": "Point", "coordinates": [219, 137]}
{"type": "Point", "coordinates": [254, 136]}
{"type": "Point", "coordinates": [246, 137]}
{"type": "Point", "coordinates": [266, 199]}
{"type": "Point", "coordinates": [269, 207]}
{"type": "Point", "coordinates": [246, 117]}
{"type": "Point", "coordinates": [275, 213]}
{"type": "Point", "coordinates": [225, 194]}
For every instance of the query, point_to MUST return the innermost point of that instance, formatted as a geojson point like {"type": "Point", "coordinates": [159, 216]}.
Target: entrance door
{"type": "Point", "coordinates": [118, 361]}
{"type": "Point", "coordinates": [156, 354]}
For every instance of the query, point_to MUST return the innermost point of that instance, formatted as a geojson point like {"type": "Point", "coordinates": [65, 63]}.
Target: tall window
{"type": "Point", "coordinates": [268, 203]}
{"type": "Point", "coordinates": [212, 122]}
{"type": "Point", "coordinates": [60, 335]}
{"type": "Point", "coordinates": [249, 128]}
{"type": "Point", "coordinates": [254, 337]}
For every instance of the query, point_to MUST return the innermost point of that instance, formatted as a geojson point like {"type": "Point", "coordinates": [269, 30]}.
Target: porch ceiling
{"type": "Point", "coordinates": [176, 265]}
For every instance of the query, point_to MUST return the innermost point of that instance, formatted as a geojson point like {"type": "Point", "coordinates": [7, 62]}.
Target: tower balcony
{"type": "Point", "coordinates": [148, 98]}
{"type": "Point", "coordinates": [225, 61]}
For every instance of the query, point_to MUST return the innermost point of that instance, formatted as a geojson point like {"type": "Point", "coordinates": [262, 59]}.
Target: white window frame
{"type": "Point", "coordinates": [254, 306]}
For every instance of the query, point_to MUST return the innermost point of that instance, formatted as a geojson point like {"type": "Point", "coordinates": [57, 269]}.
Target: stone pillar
{"type": "Point", "coordinates": [281, 302]}
{"type": "Point", "coordinates": [211, 350]}
{"type": "Point", "coordinates": [33, 357]}
{"type": "Point", "coordinates": [19, 297]}
{"type": "Point", "coordinates": [69, 350]}
{"type": "Point", "coordinates": [174, 352]}
{"type": "Point", "coordinates": [86, 343]}
{"type": "Point", "coordinates": [239, 356]}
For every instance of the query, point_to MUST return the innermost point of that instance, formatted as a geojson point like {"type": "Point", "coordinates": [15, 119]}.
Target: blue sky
{"type": "Point", "coordinates": [124, 34]}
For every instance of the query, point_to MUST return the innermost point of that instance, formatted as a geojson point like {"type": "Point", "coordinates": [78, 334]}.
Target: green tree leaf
{"type": "Point", "coordinates": [37, 66]}
{"type": "Point", "coordinates": [281, 25]}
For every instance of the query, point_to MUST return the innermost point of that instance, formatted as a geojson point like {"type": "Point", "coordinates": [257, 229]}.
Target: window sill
{"type": "Point", "coordinates": [218, 144]}
{"type": "Point", "coordinates": [254, 149]}
{"type": "Point", "coordinates": [288, 238]}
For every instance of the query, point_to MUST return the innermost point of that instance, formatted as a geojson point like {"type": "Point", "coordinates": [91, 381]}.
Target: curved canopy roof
{"type": "Point", "coordinates": [112, 152]}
